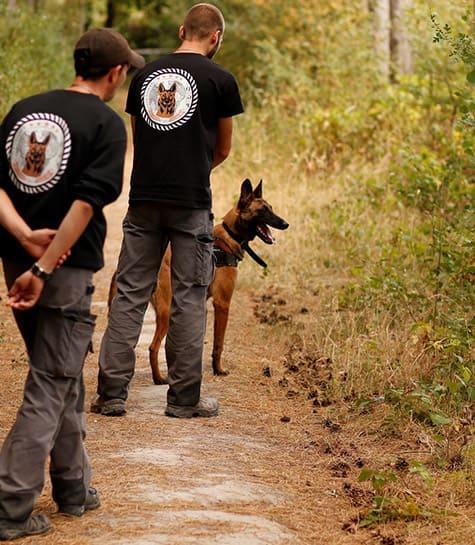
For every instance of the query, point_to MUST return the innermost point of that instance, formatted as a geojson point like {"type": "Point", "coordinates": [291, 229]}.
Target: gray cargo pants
{"type": "Point", "coordinates": [147, 230]}
{"type": "Point", "coordinates": [51, 420]}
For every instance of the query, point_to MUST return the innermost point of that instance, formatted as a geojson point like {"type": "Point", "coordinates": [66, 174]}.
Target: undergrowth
{"type": "Point", "coordinates": [377, 268]}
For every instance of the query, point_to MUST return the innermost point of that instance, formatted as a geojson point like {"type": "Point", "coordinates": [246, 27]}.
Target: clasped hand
{"type": "Point", "coordinates": [27, 288]}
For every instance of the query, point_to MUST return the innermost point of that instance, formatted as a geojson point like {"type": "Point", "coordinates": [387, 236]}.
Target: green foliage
{"type": "Point", "coordinates": [293, 62]}
{"type": "Point", "coordinates": [420, 469]}
{"type": "Point", "coordinates": [387, 504]}
{"type": "Point", "coordinates": [149, 24]}
{"type": "Point", "coordinates": [35, 52]}
{"type": "Point", "coordinates": [408, 235]}
{"type": "Point", "coordinates": [419, 403]}
{"type": "Point", "coordinates": [462, 45]}
{"type": "Point", "coordinates": [379, 479]}
{"type": "Point", "coordinates": [440, 190]}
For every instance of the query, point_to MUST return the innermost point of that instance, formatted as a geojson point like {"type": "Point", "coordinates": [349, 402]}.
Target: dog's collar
{"type": "Point", "coordinates": [245, 246]}
{"type": "Point", "coordinates": [234, 236]}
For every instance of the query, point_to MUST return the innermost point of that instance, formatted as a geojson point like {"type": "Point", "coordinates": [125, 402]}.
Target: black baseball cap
{"type": "Point", "coordinates": [105, 48]}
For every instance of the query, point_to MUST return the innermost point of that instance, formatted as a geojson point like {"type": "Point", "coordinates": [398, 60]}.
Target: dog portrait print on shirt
{"type": "Point", "coordinates": [38, 148]}
{"type": "Point", "coordinates": [166, 100]}
{"type": "Point", "coordinates": [169, 97]}
{"type": "Point", "coordinates": [36, 156]}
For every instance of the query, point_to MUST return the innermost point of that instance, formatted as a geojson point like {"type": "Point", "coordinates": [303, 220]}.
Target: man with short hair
{"type": "Point", "coordinates": [61, 162]}
{"type": "Point", "coordinates": [181, 108]}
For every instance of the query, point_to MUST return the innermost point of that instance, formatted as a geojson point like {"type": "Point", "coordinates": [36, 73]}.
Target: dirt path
{"type": "Point", "coordinates": [267, 471]}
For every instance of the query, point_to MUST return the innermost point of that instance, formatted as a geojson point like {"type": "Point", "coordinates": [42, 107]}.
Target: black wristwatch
{"type": "Point", "coordinates": [40, 272]}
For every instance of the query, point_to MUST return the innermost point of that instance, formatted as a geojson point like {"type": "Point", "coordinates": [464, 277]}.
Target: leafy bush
{"type": "Point", "coordinates": [35, 52]}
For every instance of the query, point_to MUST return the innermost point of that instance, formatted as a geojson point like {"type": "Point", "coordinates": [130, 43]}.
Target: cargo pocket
{"type": "Point", "coordinates": [62, 341]}
{"type": "Point", "coordinates": [204, 259]}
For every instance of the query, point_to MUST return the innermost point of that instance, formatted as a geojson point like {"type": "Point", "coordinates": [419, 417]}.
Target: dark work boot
{"type": "Point", "coordinates": [33, 525]}
{"type": "Point", "coordinates": [108, 407]}
{"type": "Point", "coordinates": [92, 502]}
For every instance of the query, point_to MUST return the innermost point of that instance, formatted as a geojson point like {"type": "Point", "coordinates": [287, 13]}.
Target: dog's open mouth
{"type": "Point", "coordinates": [264, 233]}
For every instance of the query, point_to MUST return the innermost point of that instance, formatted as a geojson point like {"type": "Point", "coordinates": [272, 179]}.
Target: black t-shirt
{"type": "Point", "coordinates": [178, 100]}
{"type": "Point", "coordinates": [57, 147]}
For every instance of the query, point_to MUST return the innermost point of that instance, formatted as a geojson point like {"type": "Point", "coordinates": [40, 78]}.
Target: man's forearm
{"type": "Point", "coordinates": [11, 220]}
{"type": "Point", "coordinates": [71, 228]}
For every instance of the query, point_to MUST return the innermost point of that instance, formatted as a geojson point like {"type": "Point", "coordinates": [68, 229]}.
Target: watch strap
{"type": "Point", "coordinates": [40, 272]}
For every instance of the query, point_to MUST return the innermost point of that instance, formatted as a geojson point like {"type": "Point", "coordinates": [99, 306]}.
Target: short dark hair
{"type": "Point", "coordinates": [202, 20]}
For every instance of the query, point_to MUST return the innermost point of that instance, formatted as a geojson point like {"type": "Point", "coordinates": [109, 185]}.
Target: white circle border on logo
{"type": "Point", "coordinates": [66, 152]}
{"type": "Point", "coordinates": [163, 73]}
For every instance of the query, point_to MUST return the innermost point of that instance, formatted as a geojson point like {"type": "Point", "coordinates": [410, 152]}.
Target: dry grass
{"type": "Point", "coordinates": [316, 261]}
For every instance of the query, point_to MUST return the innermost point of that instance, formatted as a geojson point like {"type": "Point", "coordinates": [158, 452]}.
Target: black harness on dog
{"type": "Point", "coordinates": [231, 257]}
{"type": "Point", "coordinates": [224, 259]}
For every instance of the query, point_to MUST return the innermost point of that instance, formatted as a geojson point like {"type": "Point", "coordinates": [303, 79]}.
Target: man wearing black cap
{"type": "Point", "coordinates": [61, 162]}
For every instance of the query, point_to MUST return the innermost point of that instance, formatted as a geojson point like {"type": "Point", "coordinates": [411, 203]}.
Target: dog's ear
{"type": "Point", "coordinates": [246, 193]}
{"type": "Point", "coordinates": [33, 138]}
{"type": "Point", "coordinates": [258, 191]}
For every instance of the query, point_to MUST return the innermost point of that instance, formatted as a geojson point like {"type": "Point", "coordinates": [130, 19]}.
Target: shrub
{"type": "Point", "coordinates": [35, 52]}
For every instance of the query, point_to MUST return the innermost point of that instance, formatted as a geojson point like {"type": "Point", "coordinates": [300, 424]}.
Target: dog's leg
{"type": "Point", "coordinates": [234, 247]}
{"type": "Point", "coordinates": [221, 291]}
{"type": "Point", "coordinates": [112, 291]}
{"type": "Point", "coordinates": [161, 300]}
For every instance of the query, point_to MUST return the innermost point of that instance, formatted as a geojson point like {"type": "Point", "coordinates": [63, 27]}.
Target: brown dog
{"type": "Point", "coordinates": [35, 156]}
{"type": "Point", "coordinates": [166, 100]}
{"type": "Point", "coordinates": [250, 217]}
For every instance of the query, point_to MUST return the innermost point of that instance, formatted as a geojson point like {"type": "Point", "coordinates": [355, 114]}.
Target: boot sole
{"type": "Point", "coordinates": [108, 411]}
{"type": "Point", "coordinates": [7, 534]}
{"type": "Point", "coordinates": [190, 413]}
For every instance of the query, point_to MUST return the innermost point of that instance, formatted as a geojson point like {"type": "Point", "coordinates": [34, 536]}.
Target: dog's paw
{"type": "Point", "coordinates": [159, 380]}
{"type": "Point", "coordinates": [220, 372]}
{"type": "Point", "coordinates": [236, 249]}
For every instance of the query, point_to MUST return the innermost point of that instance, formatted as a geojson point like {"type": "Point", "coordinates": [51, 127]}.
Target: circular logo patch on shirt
{"type": "Point", "coordinates": [38, 149]}
{"type": "Point", "coordinates": [169, 98]}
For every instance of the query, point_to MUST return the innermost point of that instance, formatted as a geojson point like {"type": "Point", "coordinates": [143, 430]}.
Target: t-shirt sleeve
{"type": "Point", "coordinates": [3, 159]}
{"type": "Point", "coordinates": [101, 181]}
{"type": "Point", "coordinates": [231, 103]}
{"type": "Point", "coordinates": [131, 106]}
{"type": "Point", "coordinates": [4, 164]}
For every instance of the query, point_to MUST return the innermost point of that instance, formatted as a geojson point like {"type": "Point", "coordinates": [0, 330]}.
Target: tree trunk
{"type": "Point", "coordinates": [12, 4]}
{"type": "Point", "coordinates": [401, 54]}
{"type": "Point", "coordinates": [34, 5]}
{"type": "Point", "coordinates": [382, 14]}
{"type": "Point", "coordinates": [110, 18]}
{"type": "Point", "coordinates": [85, 7]}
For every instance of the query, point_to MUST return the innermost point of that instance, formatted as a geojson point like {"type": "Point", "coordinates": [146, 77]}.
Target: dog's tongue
{"type": "Point", "coordinates": [265, 233]}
